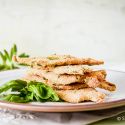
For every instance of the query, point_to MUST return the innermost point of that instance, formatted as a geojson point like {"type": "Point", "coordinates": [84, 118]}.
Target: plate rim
{"type": "Point", "coordinates": [62, 108]}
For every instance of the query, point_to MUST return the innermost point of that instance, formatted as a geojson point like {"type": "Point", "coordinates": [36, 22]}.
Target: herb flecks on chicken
{"type": "Point", "coordinates": [72, 78]}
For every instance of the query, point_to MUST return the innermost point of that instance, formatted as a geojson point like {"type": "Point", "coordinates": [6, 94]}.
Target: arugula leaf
{"type": "Point", "coordinates": [31, 91]}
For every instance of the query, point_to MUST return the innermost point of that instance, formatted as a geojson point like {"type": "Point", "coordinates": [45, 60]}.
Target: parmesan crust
{"type": "Point", "coordinates": [56, 60]}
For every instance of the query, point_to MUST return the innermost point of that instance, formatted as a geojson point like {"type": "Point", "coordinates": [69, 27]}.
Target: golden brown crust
{"type": "Point", "coordinates": [76, 96]}
{"type": "Point", "coordinates": [69, 77]}
{"type": "Point", "coordinates": [91, 79]}
{"type": "Point", "coordinates": [57, 79]}
{"type": "Point", "coordinates": [71, 94]}
{"type": "Point", "coordinates": [57, 61]}
{"type": "Point", "coordinates": [74, 86]}
{"type": "Point", "coordinates": [70, 69]}
{"type": "Point", "coordinates": [107, 86]}
{"type": "Point", "coordinates": [54, 86]}
{"type": "Point", "coordinates": [104, 84]}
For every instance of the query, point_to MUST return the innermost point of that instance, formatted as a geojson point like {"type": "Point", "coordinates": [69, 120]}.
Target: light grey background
{"type": "Point", "coordinates": [94, 28]}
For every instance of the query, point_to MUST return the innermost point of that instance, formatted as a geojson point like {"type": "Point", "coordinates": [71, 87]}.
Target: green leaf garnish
{"type": "Point", "coordinates": [6, 54]}
{"type": "Point", "coordinates": [6, 62]}
{"type": "Point", "coordinates": [28, 92]}
{"type": "Point", "coordinates": [13, 51]}
{"type": "Point", "coordinates": [23, 55]}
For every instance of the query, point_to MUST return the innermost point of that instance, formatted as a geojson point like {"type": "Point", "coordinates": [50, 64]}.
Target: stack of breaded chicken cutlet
{"type": "Point", "coordinates": [72, 78]}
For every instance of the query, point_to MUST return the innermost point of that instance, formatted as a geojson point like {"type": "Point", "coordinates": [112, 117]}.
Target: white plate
{"type": "Point", "coordinates": [114, 99]}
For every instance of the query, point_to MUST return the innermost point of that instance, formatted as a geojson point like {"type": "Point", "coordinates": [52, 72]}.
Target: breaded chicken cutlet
{"type": "Point", "coordinates": [55, 60]}
{"type": "Point", "coordinates": [72, 78]}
